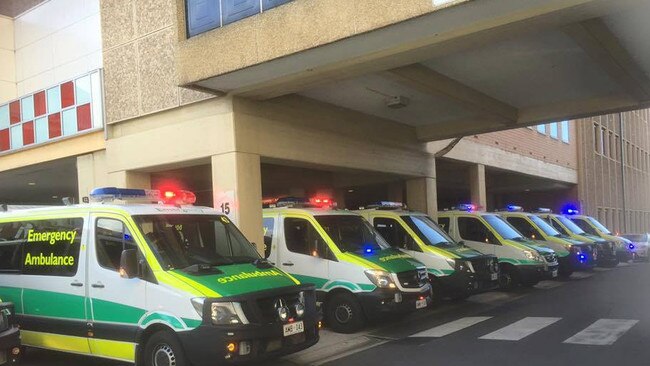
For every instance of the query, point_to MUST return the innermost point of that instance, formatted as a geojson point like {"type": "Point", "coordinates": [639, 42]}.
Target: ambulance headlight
{"type": "Point", "coordinates": [224, 313]}
{"type": "Point", "coordinates": [380, 278]}
{"type": "Point", "coordinates": [532, 255]}
{"type": "Point", "coordinates": [576, 250]}
{"type": "Point", "coordinates": [300, 310]}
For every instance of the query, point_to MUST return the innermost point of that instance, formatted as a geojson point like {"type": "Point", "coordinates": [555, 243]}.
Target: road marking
{"type": "Point", "coordinates": [603, 332]}
{"type": "Point", "coordinates": [623, 264]}
{"type": "Point", "coordinates": [452, 327]}
{"type": "Point", "coordinates": [600, 269]}
{"type": "Point", "coordinates": [581, 275]}
{"type": "Point", "coordinates": [521, 329]}
{"type": "Point", "coordinates": [547, 285]}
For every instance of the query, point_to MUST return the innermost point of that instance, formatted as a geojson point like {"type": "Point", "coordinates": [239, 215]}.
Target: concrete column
{"type": "Point", "coordinates": [477, 185]}
{"type": "Point", "coordinates": [130, 179]}
{"type": "Point", "coordinates": [237, 189]}
{"type": "Point", "coordinates": [421, 195]}
{"type": "Point", "coordinates": [91, 172]}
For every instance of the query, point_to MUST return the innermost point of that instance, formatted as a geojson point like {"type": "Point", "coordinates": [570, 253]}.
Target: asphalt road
{"type": "Point", "coordinates": [598, 318]}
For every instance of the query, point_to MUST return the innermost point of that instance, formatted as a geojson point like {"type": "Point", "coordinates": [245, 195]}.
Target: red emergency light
{"type": "Point", "coordinates": [178, 197]}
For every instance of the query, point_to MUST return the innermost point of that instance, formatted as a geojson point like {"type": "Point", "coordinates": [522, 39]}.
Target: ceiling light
{"type": "Point", "coordinates": [31, 183]}
{"type": "Point", "coordinates": [397, 102]}
{"type": "Point", "coordinates": [55, 197]}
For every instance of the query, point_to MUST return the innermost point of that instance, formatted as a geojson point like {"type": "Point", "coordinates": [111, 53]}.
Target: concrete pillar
{"type": "Point", "coordinates": [129, 179]}
{"type": "Point", "coordinates": [237, 189]}
{"type": "Point", "coordinates": [477, 185]}
{"type": "Point", "coordinates": [91, 172]}
{"type": "Point", "coordinates": [421, 195]}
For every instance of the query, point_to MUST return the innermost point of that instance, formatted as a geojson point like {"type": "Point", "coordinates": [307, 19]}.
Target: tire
{"type": "Point", "coordinates": [437, 294]}
{"type": "Point", "coordinates": [343, 313]}
{"type": "Point", "coordinates": [164, 349]}
{"type": "Point", "coordinates": [508, 278]}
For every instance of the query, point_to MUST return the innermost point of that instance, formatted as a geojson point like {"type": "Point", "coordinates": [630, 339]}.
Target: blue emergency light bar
{"type": "Point", "coordinates": [543, 210]}
{"type": "Point", "coordinates": [469, 207]}
{"type": "Point", "coordinates": [571, 211]}
{"type": "Point", "coordinates": [514, 208]}
{"type": "Point", "coordinates": [142, 195]}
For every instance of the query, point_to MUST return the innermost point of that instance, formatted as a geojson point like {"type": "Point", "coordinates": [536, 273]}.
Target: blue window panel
{"type": "Point", "coordinates": [53, 100]}
{"type": "Point", "coordinates": [565, 131]}
{"type": "Point", "coordinates": [27, 108]}
{"type": "Point", "coordinates": [202, 15]}
{"type": "Point", "coordinates": [541, 129]}
{"type": "Point", "coordinates": [41, 130]}
{"type": "Point", "coordinates": [553, 132]}
{"type": "Point", "coordinates": [268, 4]}
{"type": "Point", "coordinates": [234, 10]}
{"type": "Point", "coordinates": [83, 90]}
{"type": "Point", "coordinates": [16, 133]}
{"type": "Point", "coordinates": [69, 121]}
{"type": "Point", "coordinates": [4, 116]}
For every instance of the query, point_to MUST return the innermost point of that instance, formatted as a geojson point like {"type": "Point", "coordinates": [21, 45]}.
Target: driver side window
{"type": "Point", "coordinates": [472, 229]}
{"type": "Point", "coordinates": [395, 234]}
{"type": "Point", "coordinates": [524, 227]}
{"type": "Point", "coordinates": [585, 226]}
{"type": "Point", "coordinates": [556, 225]}
{"type": "Point", "coordinates": [302, 238]}
{"type": "Point", "coordinates": [112, 237]}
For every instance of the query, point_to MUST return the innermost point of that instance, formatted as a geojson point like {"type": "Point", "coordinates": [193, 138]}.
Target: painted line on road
{"type": "Point", "coordinates": [451, 327]}
{"type": "Point", "coordinates": [600, 269]}
{"type": "Point", "coordinates": [547, 285]}
{"type": "Point", "coordinates": [521, 329]}
{"type": "Point", "coordinates": [603, 332]}
{"type": "Point", "coordinates": [581, 275]}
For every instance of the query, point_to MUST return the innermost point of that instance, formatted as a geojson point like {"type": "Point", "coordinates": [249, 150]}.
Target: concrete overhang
{"type": "Point", "coordinates": [477, 66]}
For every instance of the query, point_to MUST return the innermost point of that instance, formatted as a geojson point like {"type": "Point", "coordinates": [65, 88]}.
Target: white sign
{"type": "Point", "coordinates": [225, 202]}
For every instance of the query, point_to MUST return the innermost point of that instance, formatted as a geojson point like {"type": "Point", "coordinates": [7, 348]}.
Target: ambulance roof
{"type": "Point", "coordinates": [127, 208]}
{"type": "Point", "coordinates": [309, 210]}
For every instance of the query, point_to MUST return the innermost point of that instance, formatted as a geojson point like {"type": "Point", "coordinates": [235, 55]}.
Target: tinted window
{"type": "Point", "coordinates": [395, 234]}
{"type": "Point", "coordinates": [585, 226]}
{"type": "Point", "coordinates": [301, 237]}
{"type": "Point", "coordinates": [10, 246]}
{"type": "Point", "coordinates": [112, 237]}
{"type": "Point", "coordinates": [429, 232]}
{"type": "Point", "coordinates": [544, 226]}
{"type": "Point", "coordinates": [472, 229]}
{"type": "Point", "coordinates": [556, 225]}
{"type": "Point", "coordinates": [600, 226]}
{"type": "Point", "coordinates": [443, 222]}
{"type": "Point", "coordinates": [352, 233]}
{"type": "Point", "coordinates": [524, 227]}
{"type": "Point", "coordinates": [502, 227]}
{"type": "Point", "coordinates": [50, 247]}
{"type": "Point", "coordinates": [570, 225]}
{"type": "Point", "coordinates": [269, 227]}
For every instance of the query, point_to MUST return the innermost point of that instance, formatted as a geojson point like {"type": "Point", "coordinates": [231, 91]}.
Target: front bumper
{"type": "Point", "coordinates": [9, 339]}
{"type": "Point", "coordinates": [624, 255]}
{"type": "Point", "coordinates": [574, 262]}
{"type": "Point", "coordinates": [385, 301]}
{"type": "Point", "coordinates": [459, 284]}
{"type": "Point", "coordinates": [606, 255]}
{"type": "Point", "coordinates": [551, 271]}
{"type": "Point", "coordinates": [532, 272]}
{"type": "Point", "coordinates": [206, 344]}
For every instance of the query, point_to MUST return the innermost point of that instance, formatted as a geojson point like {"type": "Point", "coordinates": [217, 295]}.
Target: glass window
{"type": "Point", "coordinates": [50, 247]}
{"type": "Point", "coordinates": [27, 108]}
{"type": "Point", "coordinates": [269, 227]}
{"type": "Point", "coordinates": [544, 226]}
{"type": "Point", "coordinates": [584, 225]}
{"type": "Point", "coordinates": [526, 228]}
{"type": "Point", "coordinates": [443, 222]}
{"type": "Point", "coordinates": [394, 233]}
{"type": "Point", "coordinates": [553, 130]}
{"type": "Point", "coordinates": [181, 241]}
{"type": "Point", "coordinates": [556, 225]}
{"type": "Point", "coordinates": [471, 228]}
{"type": "Point", "coordinates": [541, 129]}
{"type": "Point", "coordinates": [565, 131]}
{"type": "Point", "coordinates": [11, 240]}
{"type": "Point", "coordinates": [301, 237]}
{"type": "Point", "coordinates": [600, 226]}
{"type": "Point", "coordinates": [502, 227]}
{"type": "Point", "coordinates": [112, 237]}
{"type": "Point", "coordinates": [429, 232]}
{"type": "Point", "coordinates": [352, 233]}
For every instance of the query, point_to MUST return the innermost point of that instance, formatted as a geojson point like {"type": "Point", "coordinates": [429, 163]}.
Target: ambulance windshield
{"type": "Point", "coordinates": [429, 232]}
{"type": "Point", "coordinates": [180, 241]}
{"type": "Point", "coordinates": [352, 233]}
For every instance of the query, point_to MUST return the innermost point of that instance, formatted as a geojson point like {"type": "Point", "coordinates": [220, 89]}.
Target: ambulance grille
{"type": "Point", "coordinates": [483, 265]}
{"type": "Point", "coordinates": [413, 279]}
{"type": "Point", "coordinates": [264, 310]}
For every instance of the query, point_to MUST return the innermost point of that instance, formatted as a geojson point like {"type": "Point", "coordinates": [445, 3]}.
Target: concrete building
{"type": "Point", "coordinates": [240, 100]}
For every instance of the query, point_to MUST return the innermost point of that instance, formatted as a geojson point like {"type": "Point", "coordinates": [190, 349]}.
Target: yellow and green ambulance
{"type": "Point", "coordinates": [149, 283]}
{"type": "Point", "coordinates": [590, 225]}
{"type": "Point", "coordinates": [456, 271]}
{"type": "Point", "coordinates": [358, 276]}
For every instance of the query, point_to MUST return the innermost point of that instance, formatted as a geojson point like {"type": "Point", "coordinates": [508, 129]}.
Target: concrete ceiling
{"type": "Point", "coordinates": [40, 184]}
{"type": "Point", "coordinates": [13, 8]}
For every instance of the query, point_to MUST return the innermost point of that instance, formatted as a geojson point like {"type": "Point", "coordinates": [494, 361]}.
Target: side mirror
{"type": "Point", "coordinates": [129, 263]}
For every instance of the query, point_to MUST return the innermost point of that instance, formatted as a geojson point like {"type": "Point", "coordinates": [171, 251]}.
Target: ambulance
{"type": "Point", "coordinates": [606, 250]}
{"type": "Point", "coordinates": [572, 254]}
{"type": "Point", "coordinates": [358, 276]}
{"type": "Point", "coordinates": [145, 277]}
{"type": "Point", "coordinates": [624, 247]}
{"type": "Point", "coordinates": [455, 271]}
{"type": "Point", "coordinates": [521, 261]}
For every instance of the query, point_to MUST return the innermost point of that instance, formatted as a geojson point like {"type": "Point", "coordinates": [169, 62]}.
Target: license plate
{"type": "Point", "coordinates": [495, 276]}
{"type": "Point", "coordinates": [554, 273]}
{"type": "Point", "coordinates": [293, 328]}
{"type": "Point", "coordinates": [420, 304]}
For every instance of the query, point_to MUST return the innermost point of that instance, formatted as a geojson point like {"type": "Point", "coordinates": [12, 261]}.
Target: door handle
{"type": "Point", "coordinates": [272, 263]}
{"type": "Point", "coordinates": [77, 284]}
{"type": "Point", "coordinates": [97, 285]}
{"type": "Point", "coordinates": [287, 264]}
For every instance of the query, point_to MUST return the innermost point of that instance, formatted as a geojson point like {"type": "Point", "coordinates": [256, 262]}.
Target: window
{"type": "Point", "coordinates": [601, 143]}
{"type": "Point", "coordinates": [394, 233]}
{"type": "Point", "coordinates": [112, 237]}
{"type": "Point", "coordinates": [541, 129]}
{"type": "Point", "coordinates": [473, 229]}
{"type": "Point", "coordinates": [523, 226]}
{"type": "Point", "coordinates": [585, 226]}
{"type": "Point", "coordinates": [269, 227]}
{"type": "Point", "coordinates": [558, 227]}
{"type": "Point", "coordinates": [301, 237]}
{"type": "Point", "coordinates": [565, 131]}
{"type": "Point", "coordinates": [10, 246]}
{"type": "Point", "coordinates": [443, 222]}
{"type": "Point", "coordinates": [553, 130]}
{"type": "Point", "coordinates": [596, 139]}
{"type": "Point", "coordinates": [50, 247]}
{"type": "Point", "coordinates": [352, 233]}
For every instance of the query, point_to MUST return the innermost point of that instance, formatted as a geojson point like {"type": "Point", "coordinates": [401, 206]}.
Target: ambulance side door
{"type": "Point", "coordinates": [397, 236]}
{"type": "Point", "coordinates": [117, 304]}
{"type": "Point", "coordinates": [476, 235]}
{"type": "Point", "coordinates": [271, 238]}
{"type": "Point", "coordinates": [302, 250]}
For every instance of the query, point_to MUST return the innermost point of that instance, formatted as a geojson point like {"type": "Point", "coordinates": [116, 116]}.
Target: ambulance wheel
{"type": "Point", "coordinates": [343, 313]}
{"type": "Point", "coordinates": [436, 291]}
{"type": "Point", "coordinates": [508, 277]}
{"type": "Point", "coordinates": [164, 349]}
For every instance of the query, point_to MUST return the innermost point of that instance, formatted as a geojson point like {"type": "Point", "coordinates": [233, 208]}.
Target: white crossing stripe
{"type": "Point", "coordinates": [452, 327]}
{"type": "Point", "coordinates": [521, 329]}
{"type": "Point", "coordinates": [603, 332]}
